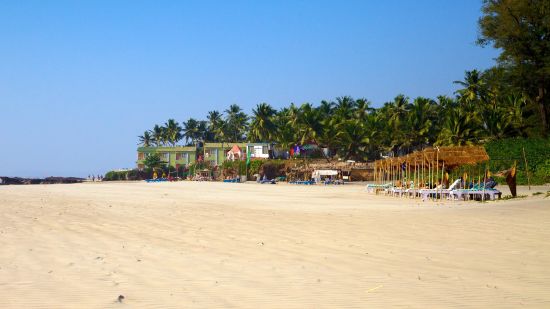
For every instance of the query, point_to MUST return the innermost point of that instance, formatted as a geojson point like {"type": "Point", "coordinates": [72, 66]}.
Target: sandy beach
{"type": "Point", "coordinates": [219, 245]}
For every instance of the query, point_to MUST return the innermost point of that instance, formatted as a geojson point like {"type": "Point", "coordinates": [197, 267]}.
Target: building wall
{"type": "Point", "coordinates": [221, 156]}
{"type": "Point", "coordinates": [171, 155]}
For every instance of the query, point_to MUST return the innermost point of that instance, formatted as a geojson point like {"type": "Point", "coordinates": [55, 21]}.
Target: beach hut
{"type": "Point", "coordinates": [322, 174]}
{"type": "Point", "coordinates": [428, 169]}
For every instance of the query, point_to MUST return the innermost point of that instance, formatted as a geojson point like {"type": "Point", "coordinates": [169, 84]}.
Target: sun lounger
{"type": "Point", "coordinates": [234, 180]}
{"type": "Point", "coordinates": [373, 188]}
{"type": "Point", "coordinates": [303, 182]}
{"type": "Point", "coordinates": [463, 194]}
{"type": "Point", "coordinates": [443, 193]}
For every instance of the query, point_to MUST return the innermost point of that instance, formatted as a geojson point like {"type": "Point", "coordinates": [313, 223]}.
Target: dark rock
{"type": "Point", "coordinates": [34, 181]}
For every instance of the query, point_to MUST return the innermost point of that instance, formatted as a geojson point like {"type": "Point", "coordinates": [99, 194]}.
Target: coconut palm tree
{"type": "Point", "coordinates": [459, 128]}
{"type": "Point", "coordinates": [215, 124]}
{"type": "Point", "coordinates": [473, 86]}
{"type": "Point", "coordinates": [284, 133]}
{"type": "Point", "coordinates": [515, 107]}
{"type": "Point", "coordinates": [237, 122]}
{"type": "Point", "coordinates": [420, 121]}
{"type": "Point", "coordinates": [396, 113]}
{"type": "Point", "coordinates": [158, 135]}
{"type": "Point", "coordinates": [308, 125]}
{"type": "Point", "coordinates": [262, 127]}
{"type": "Point", "coordinates": [326, 108]}
{"type": "Point", "coordinates": [173, 131]}
{"type": "Point", "coordinates": [344, 107]}
{"type": "Point", "coordinates": [328, 137]}
{"type": "Point", "coordinates": [145, 140]}
{"type": "Point", "coordinates": [362, 108]}
{"type": "Point", "coordinates": [202, 131]}
{"type": "Point", "coordinates": [191, 130]}
{"type": "Point", "coordinates": [353, 139]}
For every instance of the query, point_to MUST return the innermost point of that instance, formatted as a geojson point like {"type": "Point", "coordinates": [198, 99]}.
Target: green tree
{"type": "Point", "coordinates": [237, 122]}
{"type": "Point", "coordinates": [308, 125]}
{"type": "Point", "coordinates": [173, 131]}
{"type": "Point", "coordinates": [191, 130]}
{"type": "Point", "coordinates": [521, 30]}
{"type": "Point", "coordinates": [158, 135]}
{"type": "Point", "coordinates": [215, 125]}
{"type": "Point", "coordinates": [145, 140]}
{"type": "Point", "coordinates": [474, 86]}
{"type": "Point", "coordinates": [262, 127]}
{"type": "Point", "coordinates": [153, 161]}
{"type": "Point", "coordinates": [459, 128]}
{"type": "Point", "coordinates": [420, 120]}
{"type": "Point", "coordinates": [284, 132]}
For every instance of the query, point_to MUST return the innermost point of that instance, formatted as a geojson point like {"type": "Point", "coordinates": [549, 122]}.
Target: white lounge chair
{"type": "Point", "coordinates": [425, 193]}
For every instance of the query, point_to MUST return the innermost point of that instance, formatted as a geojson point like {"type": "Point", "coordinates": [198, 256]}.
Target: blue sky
{"type": "Point", "coordinates": [80, 80]}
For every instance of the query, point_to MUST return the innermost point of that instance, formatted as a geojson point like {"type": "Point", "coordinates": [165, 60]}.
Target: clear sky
{"type": "Point", "coordinates": [80, 80]}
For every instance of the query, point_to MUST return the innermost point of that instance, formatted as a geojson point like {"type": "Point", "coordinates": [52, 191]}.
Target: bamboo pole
{"type": "Point", "coordinates": [436, 171]}
{"type": "Point", "coordinates": [442, 172]}
{"type": "Point", "coordinates": [526, 168]}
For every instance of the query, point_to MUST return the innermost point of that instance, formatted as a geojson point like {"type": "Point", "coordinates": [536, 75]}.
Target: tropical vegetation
{"type": "Point", "coordinates": [509, 100]}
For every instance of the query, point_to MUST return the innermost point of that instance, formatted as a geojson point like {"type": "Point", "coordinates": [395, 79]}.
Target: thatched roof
{"type": "Point", "coordinates": [451, 156]}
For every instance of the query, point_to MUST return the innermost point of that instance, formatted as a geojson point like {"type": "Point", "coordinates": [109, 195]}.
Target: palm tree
{"type": "Point", "coordinates": [396, 113]}
{"type": "Point", "coordinates": [326, 108]}
{"type": "Point", "coordinates": [190, 130]}
{"type": "Point", "coordinates": [421, 118]}
{"type": "Point", "coordinates": [158, 135]}
{"type": "Point", "coordinates": [398, 110]}
{"type": "Point", "coordinates": [237, 122]}
{"type": "Point", "coordinates": [173, 131]}
{"type": "Point", "coordinates": [344, 107]}
{"type": "Point", "coordinates": [362, 108]}
{"type": "Point", "coordinates": [328, 136]}
{"type": "Point", "coordinates": [284, 132]}
{"type": "Point", "coordinates": [474, 86]}
{"type": "Point", "coordinates": [145, 140]}
{"type": "Point", "coordinates": [308, 124]}
{"type": "Point", "coordinates": [353, 139]}
{"type": "Point", "coordinates": [262, 127]}
{"type": "Point", "coordinates": [515, 106]}
{"type": "Point", "coordinates": [202, 131]}
{"type": "Point", "coordinates": [215, 124]}
{"type": "Point", "coordinates": [459, 128]}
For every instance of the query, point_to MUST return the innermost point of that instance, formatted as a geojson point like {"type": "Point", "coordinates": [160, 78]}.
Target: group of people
{"type": "Point", "coordinates": [95, 177]}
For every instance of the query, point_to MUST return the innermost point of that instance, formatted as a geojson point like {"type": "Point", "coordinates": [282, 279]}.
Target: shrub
{"type": "Point", "coordinates": [504, 152]}
{"type": "Point", "coordinates": [115, 175]}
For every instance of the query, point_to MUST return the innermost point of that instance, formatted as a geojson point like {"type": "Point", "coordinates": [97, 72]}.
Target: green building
{"type": "Point", "coordinates": [216, 153]}
{"type": "Point", "coordinates": [174, 156]}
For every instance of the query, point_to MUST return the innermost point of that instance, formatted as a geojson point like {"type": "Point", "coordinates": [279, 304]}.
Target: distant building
{"type": "Point", "coordinates": [173, 156]}
{"type": "Point", "coordinates": [218, 152]}
{"type": "Point", "coordinates": [215, 153]}
{"type": "Point", "coordinates": [259, 150]}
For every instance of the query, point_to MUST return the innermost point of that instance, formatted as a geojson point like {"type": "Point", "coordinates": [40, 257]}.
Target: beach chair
{"type": "Point", "coordinates": [374, 188]}
{"type": "Point", "coordinates": [425, 193]}
{"type": "Point", "coordinates": [476, 193]}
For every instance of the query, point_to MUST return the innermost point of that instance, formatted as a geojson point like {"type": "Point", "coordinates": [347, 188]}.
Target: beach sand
{"type": "Point", "coordinates": [219, 245]}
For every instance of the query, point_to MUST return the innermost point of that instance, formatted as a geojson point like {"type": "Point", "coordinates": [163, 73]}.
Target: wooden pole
{"type": "Point", "coordinates": [436, 170]}
{"type": "Point", "coordinates": [526, 168]}
{"type": "Point", "coordinates": [442, 172]}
